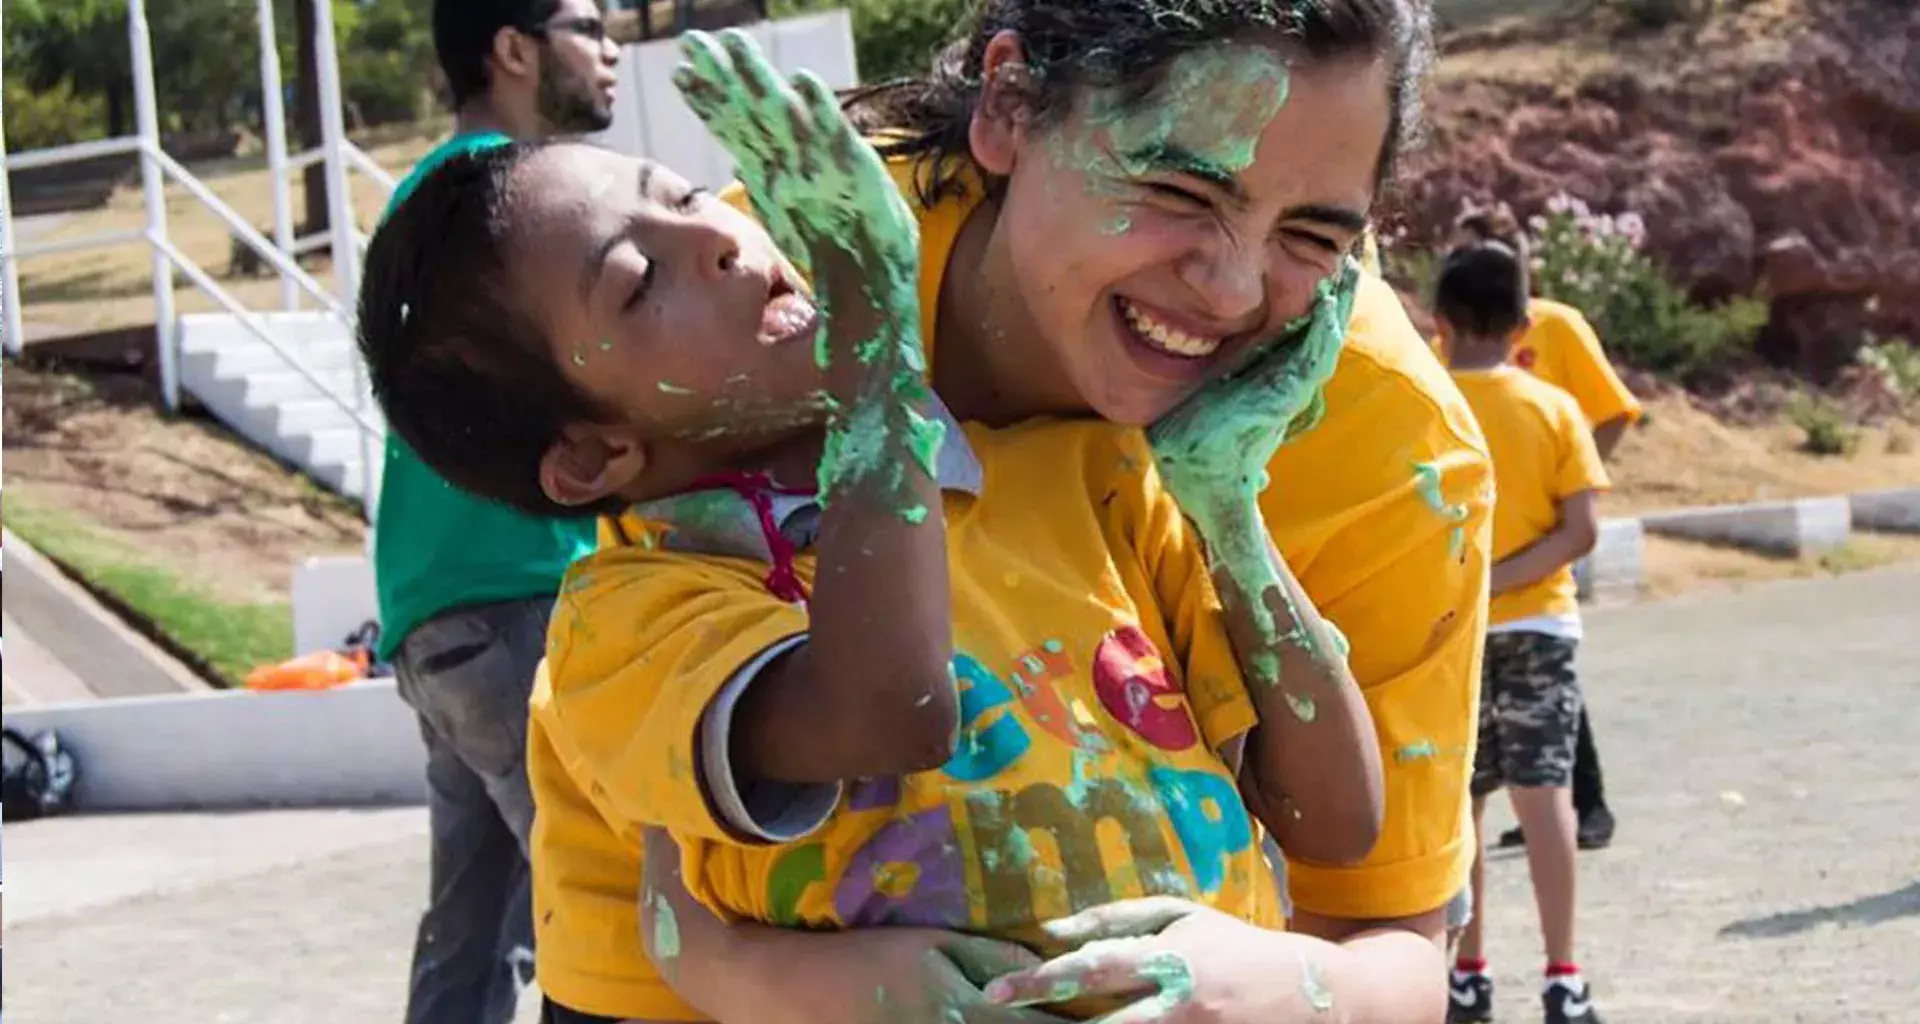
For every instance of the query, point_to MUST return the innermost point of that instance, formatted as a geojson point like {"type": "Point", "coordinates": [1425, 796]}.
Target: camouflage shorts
{"type": "Point", "coordinates": [1529, 712]}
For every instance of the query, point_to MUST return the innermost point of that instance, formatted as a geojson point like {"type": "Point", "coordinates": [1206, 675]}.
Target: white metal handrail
{"type": "Point", "coordinates": [207, 284]}
{"type": "Point", "coordinates": [61, 246]}
{"type": "Point", "coordinates": [340, 157]}
{"type": "Point", "coordinates": [358, 159]}
{"type": "Point", "coordinates": [73, 152]}
{"type": "Point", "coordinates": [254, 240]}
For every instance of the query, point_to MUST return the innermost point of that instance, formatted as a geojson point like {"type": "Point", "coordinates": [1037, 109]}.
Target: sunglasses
{"type": "Point", "coordinates": [586, 27]}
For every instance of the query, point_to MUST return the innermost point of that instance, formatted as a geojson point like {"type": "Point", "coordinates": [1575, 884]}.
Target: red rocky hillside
{"type": "Point", "coordinates": [1773, 146]}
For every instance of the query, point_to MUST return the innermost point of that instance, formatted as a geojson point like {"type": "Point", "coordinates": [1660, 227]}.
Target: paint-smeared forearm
{"type": "Point", "coordinates": [1312, 772]}
{"type": "Point", "coordinates": [1383, 972]}
{"type": "Point", "coordinates": [871, 692]}
{"type": "Point", "coordinates": [1212, 453]}
{"type": "Point", "coordinates": [746, 973]}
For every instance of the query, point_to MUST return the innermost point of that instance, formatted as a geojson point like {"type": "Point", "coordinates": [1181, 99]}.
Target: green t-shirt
{"type": "Point", "coordinates": [436, 547]}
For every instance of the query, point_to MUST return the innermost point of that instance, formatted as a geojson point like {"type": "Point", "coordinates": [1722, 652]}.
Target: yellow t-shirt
{"type": "Point", "coordinates": [1561, 348]}
{"type": "Point", "coordinates": [1384, 513]}
{"type": "Point", "coordinates": [1542, 453]}
{"type": "Point", "coordinates": [1097, 685]}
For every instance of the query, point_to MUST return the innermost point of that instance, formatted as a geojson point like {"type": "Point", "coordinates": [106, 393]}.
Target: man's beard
{"type": "Point", "coordinates": [569, 107]}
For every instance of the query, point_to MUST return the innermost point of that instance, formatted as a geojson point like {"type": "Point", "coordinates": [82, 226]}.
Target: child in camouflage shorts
{"type": "Point", "coordinates": [1548, 476]}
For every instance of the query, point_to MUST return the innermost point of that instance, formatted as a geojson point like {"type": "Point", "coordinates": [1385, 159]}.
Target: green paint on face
{"type": "Point", "coordinates": [578, 359]}
{"type": "Point", "coordinates": [1205, 119]}
{"type": "Point", "coordinates": [605, 345]}
{"type": "Point", "coordinates": [914, 514]}
{"type": "Point", "coordinates": [669, 388]}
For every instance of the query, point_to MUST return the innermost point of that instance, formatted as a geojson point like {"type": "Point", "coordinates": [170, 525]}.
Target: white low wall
{"type": "Point", "coordinates": [1808, 526]}
{"type": "Point", "coordinates": [650, 119]}
{"type": "Point", "coordinates": [1896, 511]}
{"type": "Point", "coordinates": [1617, 566]}
{"type": "Point", "coordinates": [332, 597]}
{"type": "Point", "coordinates": [357, 744]}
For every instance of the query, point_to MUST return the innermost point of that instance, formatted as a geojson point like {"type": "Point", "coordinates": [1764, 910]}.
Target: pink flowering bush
{"type": "Point", "coordinates": [1595, 263]}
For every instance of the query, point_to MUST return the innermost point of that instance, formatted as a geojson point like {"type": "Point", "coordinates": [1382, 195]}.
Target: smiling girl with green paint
{"type": "Point", "coordinates": [1061, 725]}
{"type": "Point", "coordinates": [1117, 201]}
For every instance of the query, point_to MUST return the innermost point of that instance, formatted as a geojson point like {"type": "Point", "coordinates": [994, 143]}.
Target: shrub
{"type": "Point", "coordinates": [39, 118]}
{"type": "Point", "coordinates": [1827, 429]}
{"type": "Point", "coordinates": [1896, 362]}
{"type": "Point", "coordinates": [1595, 264]}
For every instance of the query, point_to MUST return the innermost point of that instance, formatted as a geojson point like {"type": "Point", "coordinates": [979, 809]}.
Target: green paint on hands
{"type": "Point", "coordinates": [669, 388]}
{"type": "Point", "coordinates": [1206, 117]}
{"type": "Point", "coordinates": [828, 200]}
{"type": "Point", "coordinates": [1213, 451]}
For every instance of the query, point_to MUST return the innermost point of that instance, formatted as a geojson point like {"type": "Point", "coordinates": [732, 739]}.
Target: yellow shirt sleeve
{"type": "Point", "coordinates": [1580, 466]}
{"type": "Point", "coordinates": [1570, 357]}
{"type": "Point", "coordinates": [1171, 553]}
{"type": "Point", "coordinates": [1384, 512]}
{"type": "Point", "coordinates": [640, 645]}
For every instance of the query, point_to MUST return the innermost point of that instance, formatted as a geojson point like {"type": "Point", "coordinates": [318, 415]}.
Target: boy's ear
{"type": "Point", "coordinates": [999, 122]}
{"type": "Point", "coordinates": [591, 463]}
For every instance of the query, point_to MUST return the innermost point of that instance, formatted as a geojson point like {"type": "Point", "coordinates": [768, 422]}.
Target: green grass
{"type": "Point", "coordinates": [223, 639]}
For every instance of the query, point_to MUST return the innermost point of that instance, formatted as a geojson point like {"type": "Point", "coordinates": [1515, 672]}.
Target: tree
{"type": "Point", "coordinates": [81, 42]}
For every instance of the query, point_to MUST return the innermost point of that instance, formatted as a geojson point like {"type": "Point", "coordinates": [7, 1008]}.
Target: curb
{"type": "Point", "coordinates": [107, 656]}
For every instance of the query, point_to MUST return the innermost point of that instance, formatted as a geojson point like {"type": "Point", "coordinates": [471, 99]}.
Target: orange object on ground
{"type": "Point", "coordinates": [321, 670]}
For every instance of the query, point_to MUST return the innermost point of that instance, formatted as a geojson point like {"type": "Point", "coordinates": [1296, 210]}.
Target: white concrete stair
{"type": "Point", "coordinates": [252, 388]}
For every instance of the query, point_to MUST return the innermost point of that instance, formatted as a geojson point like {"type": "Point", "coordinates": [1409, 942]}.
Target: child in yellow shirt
{"type": "Point", "coordinates": [971, 678]}
{"type": "Point", "coordinates": [1547, 478]}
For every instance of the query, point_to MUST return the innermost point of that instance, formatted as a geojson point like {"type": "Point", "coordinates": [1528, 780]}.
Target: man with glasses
{"type": "Point", "coordinates": [465, 585]}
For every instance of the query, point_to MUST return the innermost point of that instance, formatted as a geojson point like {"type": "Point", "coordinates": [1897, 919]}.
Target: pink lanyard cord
{"type": "Point", "coordinates": [757, 488]}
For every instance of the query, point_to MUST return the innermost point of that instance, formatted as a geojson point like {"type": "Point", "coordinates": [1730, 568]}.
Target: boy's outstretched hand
{"type": "Point", "coordinates": [824, 194]}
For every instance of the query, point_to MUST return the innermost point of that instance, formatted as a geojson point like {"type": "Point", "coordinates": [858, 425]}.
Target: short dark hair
{"type": "Point", "coordinates": [463, 32]}
{"type": "Point", "coordinates": [464, 374]}
{"type": "Point", "coordinates": [1074, 45]}
{"type": "Point", "coordinates": [1482, 290]}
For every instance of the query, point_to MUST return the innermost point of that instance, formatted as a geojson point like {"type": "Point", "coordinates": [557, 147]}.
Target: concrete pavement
{"type": "Point", "coordinates": [1759, 753]}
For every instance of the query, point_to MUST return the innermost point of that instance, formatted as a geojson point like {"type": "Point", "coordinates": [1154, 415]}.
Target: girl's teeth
{"type": "Point", "coordinates": [1172, 339]}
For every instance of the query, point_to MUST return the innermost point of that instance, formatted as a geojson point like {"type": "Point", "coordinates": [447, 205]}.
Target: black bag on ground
{"type": "Point", "coordinates": [37, 779]}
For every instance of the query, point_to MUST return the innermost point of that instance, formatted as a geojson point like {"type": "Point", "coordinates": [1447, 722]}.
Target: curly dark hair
{"type": "Point", "coordinates": [1072, 45]}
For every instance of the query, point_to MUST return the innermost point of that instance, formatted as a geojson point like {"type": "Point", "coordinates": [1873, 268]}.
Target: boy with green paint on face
{"type": "Point", "coordinates": [853, 656]}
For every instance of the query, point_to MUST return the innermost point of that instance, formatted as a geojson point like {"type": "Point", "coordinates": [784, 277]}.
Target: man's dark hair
{"type": "Point", "coordinates": [464, 375]}
{"type": "Point", "coordinates": [1482, 290]}
{"type": "Point", "coordinates": [463, 32]}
